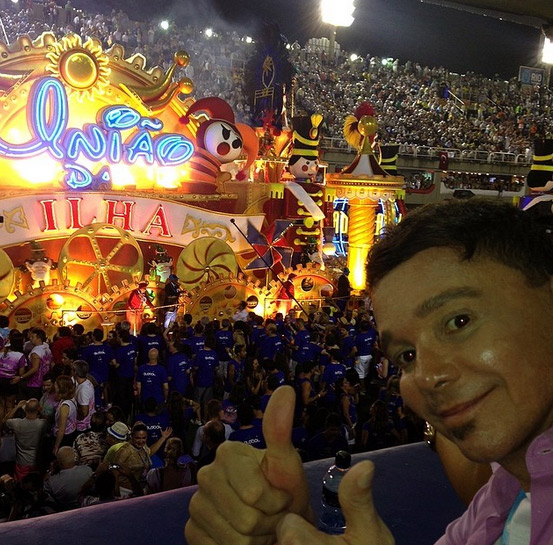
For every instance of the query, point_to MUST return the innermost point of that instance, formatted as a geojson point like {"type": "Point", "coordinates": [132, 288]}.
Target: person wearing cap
{"type": "Point", "coordinates": [138, 300]}
{"type": "Point", "coordinates": [344, 290]}
{"type": "Point", "coordinates": [117, 435]}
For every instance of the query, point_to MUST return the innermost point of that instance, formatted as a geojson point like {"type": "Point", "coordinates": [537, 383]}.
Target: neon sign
{"type": "Point", "coordinates": [47, 121]}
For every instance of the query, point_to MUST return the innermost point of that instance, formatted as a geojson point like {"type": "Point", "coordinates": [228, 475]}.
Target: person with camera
{"type": "Point", "coordinates": [103, 487]}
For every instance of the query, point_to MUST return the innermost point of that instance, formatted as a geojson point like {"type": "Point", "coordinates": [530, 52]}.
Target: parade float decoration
{"type": "Point", "coordinates": [114, 175]}
{"type": "Point", "coordinates": [372, 193]}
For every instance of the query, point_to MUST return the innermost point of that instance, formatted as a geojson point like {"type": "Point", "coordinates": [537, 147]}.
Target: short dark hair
{"type": "Point", "coordinates": [39, 333]}
{"type": "Point", "coordinates": [244, 413]}
{"type": "Point", "coordinates": [476, 228]}
{"type": "Point", "coordinates": [98, 334]}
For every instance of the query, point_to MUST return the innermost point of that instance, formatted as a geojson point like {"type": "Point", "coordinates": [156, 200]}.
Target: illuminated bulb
{"type": "Point", "coordinates": [337, 12]}
{"type": "Point", "coordinates": [329, 248]}
{"type": "Point", "coordinates": [209, 32]}
{"type": "Point", "coordinates": [547, 52]}
{"type": "Point", "coordinates": [164, 24]}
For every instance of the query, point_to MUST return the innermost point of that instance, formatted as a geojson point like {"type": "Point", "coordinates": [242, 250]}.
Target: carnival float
{"type": "Point", "coordinates": [115, 175]}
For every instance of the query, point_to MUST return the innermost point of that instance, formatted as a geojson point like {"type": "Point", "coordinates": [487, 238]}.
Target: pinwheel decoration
{"type": "Point", "coordinates": [271, 247]}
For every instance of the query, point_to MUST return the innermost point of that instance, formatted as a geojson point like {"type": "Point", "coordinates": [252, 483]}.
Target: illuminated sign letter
{"type": "Point", "coordinates": [159, 221]}
{"type": "Point", "coordinates": [75, 213]}
{"type": "Point", "coordinates": [112, 215]}
{"type": "Point", "coordinates": [49, 215]}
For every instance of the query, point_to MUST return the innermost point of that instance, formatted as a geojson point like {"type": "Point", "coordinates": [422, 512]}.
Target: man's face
{"type": "Point", "coordinates": [476, 350]}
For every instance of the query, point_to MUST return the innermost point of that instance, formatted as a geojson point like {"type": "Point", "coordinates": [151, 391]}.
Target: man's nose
{"type": "Point", "coordinates": [436, 366]}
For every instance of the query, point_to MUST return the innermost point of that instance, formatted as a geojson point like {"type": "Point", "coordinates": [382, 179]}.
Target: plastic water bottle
{"type": "Point", "coordinates": [332, 519]}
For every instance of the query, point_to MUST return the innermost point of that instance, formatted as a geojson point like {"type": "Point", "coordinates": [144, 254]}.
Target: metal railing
{"type": "Point", "coordinates": [430, 152]}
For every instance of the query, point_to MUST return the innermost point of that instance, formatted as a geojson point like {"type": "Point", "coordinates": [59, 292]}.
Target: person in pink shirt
{"type": "Point", "coordinates": [65, 425]}
{"type": "Point", "coordinates": [40, 362]}
{"type": "Point", "coordinates": [462, 294]}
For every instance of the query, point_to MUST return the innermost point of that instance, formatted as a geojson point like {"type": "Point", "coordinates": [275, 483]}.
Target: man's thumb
{"type": "Point", "coordinates": [356, 500]}
{"type": "Point", "coordinates": [282, 464]}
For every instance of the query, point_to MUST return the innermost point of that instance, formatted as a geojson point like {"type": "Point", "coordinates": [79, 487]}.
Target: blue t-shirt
{"type": "Point", "coordinates": [332, 373]}
{"type": "Point", "coordinates": [98, 357]}
{"type": "Point", "coordinates": [251, 436]}
{"type": "Point", "coordinates": [206, 362]}
{"type": "Point", "coordinates": [257, 335]}
{"type": "Point", "coordinates": [302, 337]}
{"type": "Point", "coordinates": [347, 346]}
{"type": "Point", "coordinates": [238, 373]}
{"type": "Point", "coordinates": [270, 347]}
{"type": "Point", "coordinates": [146, 343]}
{"type": "Point", "coordinates": [308, 352]}
{"type": "Point", "coordinates": [152, 378]}
{"type": "Point", "coordinates": [155, 423]}
{"type": "Point", "coordinates": [179, 368]}
{"type": "Point", "coordinates": [365, 342]}
{"type": "Point", "coordinates": [125, 356]}
{"type": "Point", "coordinates": [225, 341]}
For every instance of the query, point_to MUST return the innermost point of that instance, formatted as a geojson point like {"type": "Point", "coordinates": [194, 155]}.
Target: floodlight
{"type": "Point", "coordinates": [353, 57]}
{"type": "Point", "coordinates": [547, 52]}
{"type": "Point", "coordinates": [337, 12]}
{"type": "Point", "coordinates": [209, 32]}
{"type": "Point", "coordinates": [164, 24]}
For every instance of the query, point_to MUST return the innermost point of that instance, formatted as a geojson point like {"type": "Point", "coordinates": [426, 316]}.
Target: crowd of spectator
{"type": "Point", "coordinates": [416, 105]}
{"type": "Point", "coordinates": [99, 419]}
{"type": "Point", "coordinates": [466, 180]}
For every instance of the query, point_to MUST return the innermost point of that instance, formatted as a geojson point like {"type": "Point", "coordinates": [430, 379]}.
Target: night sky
{"type": "Point", "coordinates": [404, 29]}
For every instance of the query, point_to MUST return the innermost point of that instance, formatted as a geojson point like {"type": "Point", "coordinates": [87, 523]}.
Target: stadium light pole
{"type": "Point", "coordinates": [336, 13]}
{"type": "Point", "coordinates": [547, 51]}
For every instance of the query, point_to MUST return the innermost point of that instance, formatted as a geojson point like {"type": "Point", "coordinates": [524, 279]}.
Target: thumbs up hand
{"type": "Point", "coordinates": [260, 497]}
{"type": "Point", "coordinates": [244, 494]}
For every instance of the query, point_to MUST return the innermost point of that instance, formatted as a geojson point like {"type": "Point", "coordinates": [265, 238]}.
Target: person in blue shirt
{"type": "Point", "coordinates": [271, 344]}
{"type": "Point", "coordinates": [347, 346]}
{"type": "Point", "coordinates": [151, 379]}
{"type": "Point", "coordinates": [179, 368]}
{"type": "Point", "coordinates": [197, 341]}
{"type": "Point", "coordinates": [333, 372]}
{"type": "Point", "coordinates": [247, 433]}
{"type": "Point", "coordinates": [225, 342]}
{"type": "Point", "coordinates": [148, 339]}
{"type": "Point", "coordinates": [125, 369]}
{"type": "Point", "coordinates": [364, 343]}
{"type": "Point", "coordinates": [99, 356]}
{"type": "Point", "coordinates": [310, 350]}
{"type": "Point", "coordinates": [205, 366]}
{"type": "Point", "coordinates": [156, 421]}
{"type": "Point", "coordinates": [302, 335]}
{"type": "Point", "coordinates": [235, 370]}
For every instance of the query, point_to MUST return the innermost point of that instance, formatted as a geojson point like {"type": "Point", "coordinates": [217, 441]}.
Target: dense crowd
{"type": "Point", "coordinates": [97, 419]}
{"type": "Point", "coordinates": [416, 105]}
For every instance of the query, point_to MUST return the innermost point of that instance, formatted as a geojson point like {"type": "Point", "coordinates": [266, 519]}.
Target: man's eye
{"type": "Point", "coordinates": [406, 357]}
{"type": "Point", "coordinates": [458, 322]}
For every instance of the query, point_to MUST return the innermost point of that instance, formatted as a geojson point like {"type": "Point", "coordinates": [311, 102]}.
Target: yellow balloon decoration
{"type": "Point", "coordinates": [368, 125]}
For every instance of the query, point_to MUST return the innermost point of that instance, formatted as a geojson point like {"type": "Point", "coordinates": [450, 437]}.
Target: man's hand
{"type": "Point", "coordinates": [260, 497]}
{"type": "Point", "coordinates": [246, 492]}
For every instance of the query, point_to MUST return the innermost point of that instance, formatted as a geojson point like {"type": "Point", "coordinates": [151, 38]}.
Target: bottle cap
{"type": "Point", "coordinates": [343, 459]}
